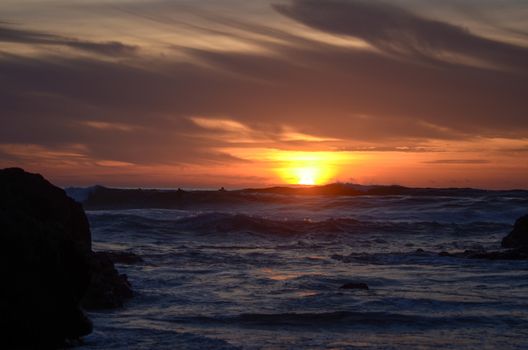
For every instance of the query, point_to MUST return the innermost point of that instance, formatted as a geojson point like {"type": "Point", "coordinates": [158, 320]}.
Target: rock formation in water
{"type": "Point", "coordinates": [508, 254]}
{"type": "Point", "coordinates": [516, 241]}
{"type": "Point", "coordinates": [518, 237]}
{"type": "Point", "coordinates": [108, 289]}
{"type": "Point", "coordinates": [355, 285]}
{"type": "Point", "coordinates": [47, 265]}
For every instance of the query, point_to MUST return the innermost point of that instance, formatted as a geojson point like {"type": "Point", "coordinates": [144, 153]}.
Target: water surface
{"type": "Point", "coordinates": [266, 275]}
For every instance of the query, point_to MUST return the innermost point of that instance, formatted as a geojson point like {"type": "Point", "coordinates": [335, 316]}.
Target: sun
{"type": "Point", "coordinates": [306, 168]}
{"type": "Point", "coordinates": [295, 167]}
{"type": "Point", "coordinates": [307, 176]}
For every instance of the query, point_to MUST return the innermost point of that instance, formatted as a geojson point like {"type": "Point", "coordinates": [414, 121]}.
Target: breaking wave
{"type": "Point", "coordinates": [224, 223]}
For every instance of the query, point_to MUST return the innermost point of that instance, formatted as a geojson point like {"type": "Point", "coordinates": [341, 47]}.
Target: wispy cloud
{"type": "Point", "coordinates": [457, 161]}
{"type": "Point", "coordinates": [272, 135]}
{"type": "Point", "coordinates": [397, 31]}
{"type": "Point", "coordinates": [101, 125]}
{"type": "Point", "coordinates": [105, 48]}
{"type": "Point", "coordinates": [220, 124]}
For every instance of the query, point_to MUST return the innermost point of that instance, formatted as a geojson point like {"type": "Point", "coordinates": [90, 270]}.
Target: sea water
{"type": "Point", "coordinates": [267, 275]}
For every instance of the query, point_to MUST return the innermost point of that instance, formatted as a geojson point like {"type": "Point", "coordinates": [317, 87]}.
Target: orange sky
{"type": "Point", "coordinates": [255, 93]}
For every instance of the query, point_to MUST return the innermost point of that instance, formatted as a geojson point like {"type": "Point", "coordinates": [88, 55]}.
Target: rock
{"type": "Point", "coordinates": [518, 237]}
{"type": "Point", "coordinates": [45, 245]}
{"type": "Point", "coordinates": [354, 285]}
{"type": "Point", "coordinates": [509, 254]}
{"type": "Point", "coordinates": [108, 289]}
{"type": "Point", "coordinates": [47, 266]}
{"type": "Point", "coordinates": [126, 258]}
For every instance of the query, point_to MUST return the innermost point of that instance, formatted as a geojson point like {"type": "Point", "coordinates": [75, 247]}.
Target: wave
{"type": "Point", "coordinates": [150, 336]}
{"type": "Point", "coordinates": [223, 223]}
{"type": "Point", "coordinates": [354, 318]}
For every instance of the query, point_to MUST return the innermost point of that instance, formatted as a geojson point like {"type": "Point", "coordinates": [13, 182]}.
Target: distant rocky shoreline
{"type": "Point", "coordinates": [105, 198]}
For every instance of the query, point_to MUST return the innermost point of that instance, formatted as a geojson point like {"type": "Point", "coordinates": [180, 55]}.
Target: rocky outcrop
{"type": "Point", "coordinates": [509, 254]}
{"type": "Point", "coordinates": [45, 254]}
{"type": "Point", "coordinates": [46, 264]}
{"type": "Point", "coordinates": [108, 289]}
{"type": "Point", "coordinates": [516, 240]}
{"type": "Point", "coordinates": [518, 237]}
{"type": "Point", "coordinates": [126, 258]}
{"type": "Point", "coordinates": [355, 285]}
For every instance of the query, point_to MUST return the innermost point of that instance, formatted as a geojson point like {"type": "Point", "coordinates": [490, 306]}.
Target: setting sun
{"type": "Point", "coordinates": [307, 176]}
{"type": "Point", "coordinates": [307, 168]}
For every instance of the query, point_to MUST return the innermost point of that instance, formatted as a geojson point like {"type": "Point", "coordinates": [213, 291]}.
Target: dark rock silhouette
{"type": "Point", "coordinates": [46, 264]}
{"type": "Point", "coordinates": [517, 240]}
{"type": "Point", "coordinates": [518, 237]}
{"type": "Point", "coordinates": [126, 258]}
{"type": "Point", "coordinates": [354, 285]}
{"type": "Point", "coordinates": [510, 254]}
{"type": "Point", "coordinates": [108, 289]}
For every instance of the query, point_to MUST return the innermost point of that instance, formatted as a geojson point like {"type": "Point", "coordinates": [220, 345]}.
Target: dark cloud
{"type": "Point", "coordinates": [8, 34]}
{"type": "Point", "coordinates": [107, 48]}
{"type": "Point", "coordinates": [458, 161]}
{"type": "Point", "coordinates": [514, 150]}
{"type": "Point", "coordinates": [398, 31]}
{"type": "Point", "coordinates": [365, 95]}
{"type": "Point", "coordinates": [321, 91]}
{"type": "Point", "coordinates": [410, 149]}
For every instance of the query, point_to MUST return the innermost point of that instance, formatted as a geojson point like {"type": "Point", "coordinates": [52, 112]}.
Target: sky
{"type": "Point", "coordinates": [237, 93]}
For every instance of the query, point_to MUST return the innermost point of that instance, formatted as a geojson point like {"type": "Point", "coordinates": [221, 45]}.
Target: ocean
{"type": "Point", "coordinates": [266, 274]}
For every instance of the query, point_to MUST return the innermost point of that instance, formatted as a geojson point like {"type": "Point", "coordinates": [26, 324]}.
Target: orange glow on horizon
{"type": "Point", "coordinates": [307, 168]}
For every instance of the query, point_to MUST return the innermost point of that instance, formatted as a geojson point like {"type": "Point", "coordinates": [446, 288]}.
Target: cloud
{"type": "Point", "coordinates": [289, 134]}
{"type": "Point", "coordinates": [32, 152]}
{"type": "Point", "coordinates": [398, 31]}
{"type": "Point", "coordinates": [520, 149]}
{"type": "Point", "coordinates": [199, 107]}
{"type": "Point", "coordinates": [101, 125]}
{"type": "Point", "coordinates": [106, 48]}
{"type": "Point", "coordinates": [347, 93]}
{"type": "Point", "coordinates": [322, 94]}
{"type": "Point", "coordinates": [113, 163]}
{"type": "Point", "coordinates": [407, 149]}
{"type": "Point", "coordinates": [457, 161]}
{"type": "Point", "coordinates": [236, 132]}
{"type": "Point", "coordinates": [220, 124]}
